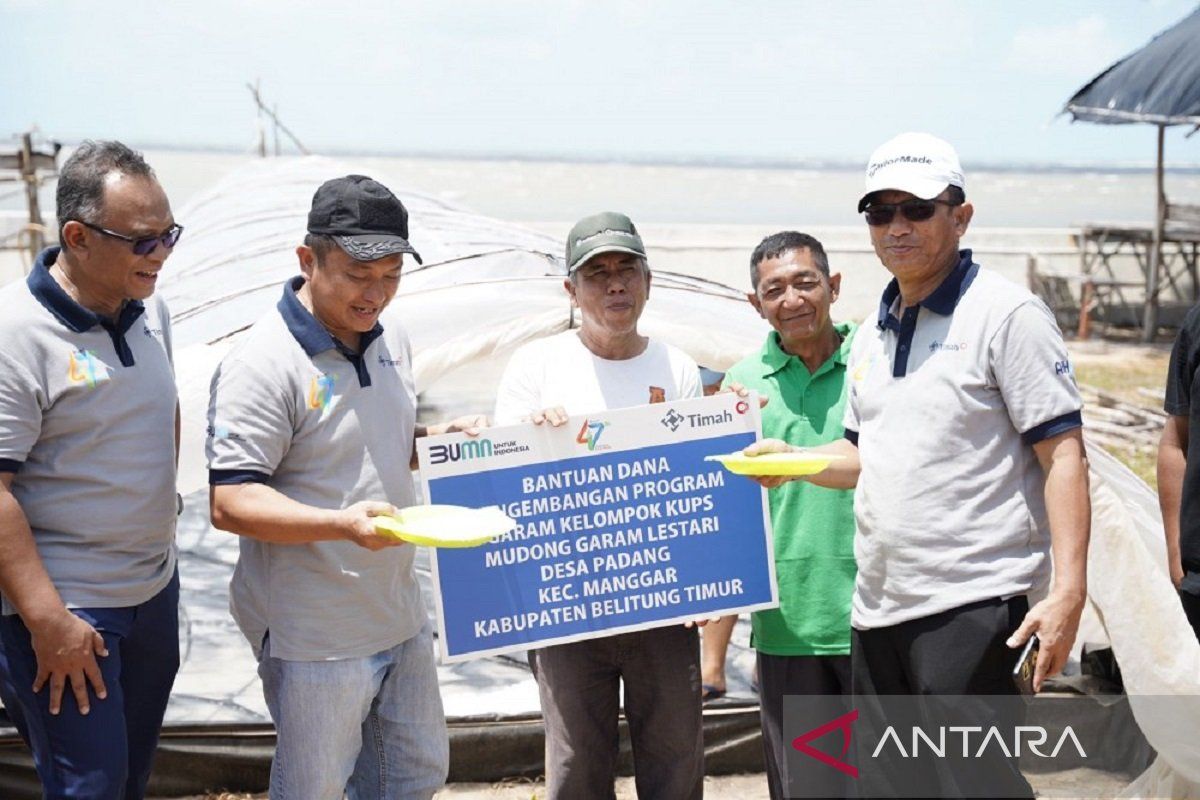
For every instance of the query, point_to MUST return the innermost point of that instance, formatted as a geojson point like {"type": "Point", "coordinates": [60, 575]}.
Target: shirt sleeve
{"type": "Point", "coordinates": [1032, 370]}
{"type": "Point", "coordinates": [1182, 370]}
{"type": "Point", "coordinates": [21, 400]}
{"type": "Point", "coordinates": [517, 395]}
{"type": "Point", "coordinates": [250, 424]}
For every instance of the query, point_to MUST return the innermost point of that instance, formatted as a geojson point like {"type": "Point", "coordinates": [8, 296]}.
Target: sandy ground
{"type": "Point", "coordinates": [1078, 783]}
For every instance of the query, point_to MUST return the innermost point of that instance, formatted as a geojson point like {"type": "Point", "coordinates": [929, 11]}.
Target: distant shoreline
{"type": "Point", "coordinates": [712, 162]}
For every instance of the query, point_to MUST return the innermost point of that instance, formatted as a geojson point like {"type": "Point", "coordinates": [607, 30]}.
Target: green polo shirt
{"type": "Point", "coordinates": [814, 527]}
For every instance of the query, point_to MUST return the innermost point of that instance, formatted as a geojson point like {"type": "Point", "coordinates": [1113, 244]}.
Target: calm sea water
{"type": "Point", "coordinates": [705, 220]}
{"type": "Point", "coordinates": [561, 191]}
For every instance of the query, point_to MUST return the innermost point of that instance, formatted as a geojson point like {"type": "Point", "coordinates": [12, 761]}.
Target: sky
{"type": "Point", "coordinates": [672, 80]}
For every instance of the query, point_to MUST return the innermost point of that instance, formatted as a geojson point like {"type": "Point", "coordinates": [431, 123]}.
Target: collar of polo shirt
{"type": "Point", "coordinates": [313, 336]}
{"type": "Point", "coordinates": [775, 358]}
{"type": "Point", "coordinates": [944, 299]}
{"type": "Point", "coordinates": [74, 316]}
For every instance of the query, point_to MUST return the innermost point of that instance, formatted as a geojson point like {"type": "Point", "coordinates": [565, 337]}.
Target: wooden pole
{"type": "Point", "coordinates": [274, 117]}
{"type": "Point", "coordinates": [262, 130]}
{"type": "Point", "coordinates": [1150, 320]}
{"type": "Point", "coordinates": [29, 174]}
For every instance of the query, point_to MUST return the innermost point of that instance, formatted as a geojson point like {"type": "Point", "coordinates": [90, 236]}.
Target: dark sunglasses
{"type": "Point", "coordinates": [914, 210]}
{"type": "Point", "coordinates": [143, 245]}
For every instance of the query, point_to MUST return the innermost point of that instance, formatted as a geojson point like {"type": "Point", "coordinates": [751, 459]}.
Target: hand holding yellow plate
{"type": "Point", "coordinates": [445, 525]}
{"type": "Point", "coordinates": [802, 462]}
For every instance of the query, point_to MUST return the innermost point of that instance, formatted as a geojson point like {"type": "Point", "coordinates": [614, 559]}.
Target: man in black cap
{"type": "Point", "coordinates": [605, 364]}
{"type": "Point", "coordinates": [311, 425]}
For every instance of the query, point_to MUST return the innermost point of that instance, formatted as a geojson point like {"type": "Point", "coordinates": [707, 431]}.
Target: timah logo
{"type": "Point", "coordinates": [842, 723]}
{"type": "Point", "coordinates": [463, 451]}
{"type": "Point", "coordinates": [673, 420]}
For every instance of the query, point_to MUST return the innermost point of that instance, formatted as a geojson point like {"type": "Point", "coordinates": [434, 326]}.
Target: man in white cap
{"type": "Point", "coordinates": [964, 442]}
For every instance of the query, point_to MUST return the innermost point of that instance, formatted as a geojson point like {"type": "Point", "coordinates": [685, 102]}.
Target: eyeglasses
{"type": "Point", "coordinates": [143, 245]}
{"type": "Point", "coordinates": [914, 210]}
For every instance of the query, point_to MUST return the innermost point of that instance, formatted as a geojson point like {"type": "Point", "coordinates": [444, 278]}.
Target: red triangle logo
{"type": "Point", "coordinates": [842, 723]}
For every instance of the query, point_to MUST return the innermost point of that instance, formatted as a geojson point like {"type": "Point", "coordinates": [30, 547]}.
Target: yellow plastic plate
{"type": "Point", "coordinates": [802, 463]}
{"type": "Point", "coordinates": [446, 526]}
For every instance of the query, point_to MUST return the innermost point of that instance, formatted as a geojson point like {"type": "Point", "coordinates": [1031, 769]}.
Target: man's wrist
{"type": "Point", "coordinates": [43, 615]}
{"type": "Point", "coordinates": [339, 523]}
{"type": "Point", "coordinates": [1072, 592]}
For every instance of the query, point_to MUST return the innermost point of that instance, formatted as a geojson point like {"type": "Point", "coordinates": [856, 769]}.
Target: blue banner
{"type": "Point", "coordinates": [613, 540]}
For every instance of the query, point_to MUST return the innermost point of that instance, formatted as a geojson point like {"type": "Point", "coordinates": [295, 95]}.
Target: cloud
{"type": "Point", "coordinates": [1077, 50]}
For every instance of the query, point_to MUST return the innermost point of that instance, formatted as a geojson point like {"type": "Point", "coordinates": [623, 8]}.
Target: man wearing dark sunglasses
{"type": "Point", "coordinates": [964, 442]}
{"type": "Point", "coordinates": [88, 440]}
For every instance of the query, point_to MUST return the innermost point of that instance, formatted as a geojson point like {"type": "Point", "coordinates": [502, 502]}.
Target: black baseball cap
{"type": "Point", "coordinates": [363, 217]}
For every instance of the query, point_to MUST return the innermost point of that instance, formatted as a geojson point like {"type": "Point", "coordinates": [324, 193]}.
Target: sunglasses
{"type": "Point", "coordinates": [914, 210]}
{"type": "Point", "coordinates": [143, 245]}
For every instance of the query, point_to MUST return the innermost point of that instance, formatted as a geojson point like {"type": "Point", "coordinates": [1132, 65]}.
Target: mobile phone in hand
{"type": "Point", "coordinates": [1022, 674]}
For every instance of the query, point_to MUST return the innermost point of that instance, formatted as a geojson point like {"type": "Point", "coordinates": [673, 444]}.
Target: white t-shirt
{"type": "Point", "coordinates": [560, 371]}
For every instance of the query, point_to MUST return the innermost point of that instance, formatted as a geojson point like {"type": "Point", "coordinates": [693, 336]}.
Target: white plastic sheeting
{"type": "Point", "coordinates": [1131, 594]}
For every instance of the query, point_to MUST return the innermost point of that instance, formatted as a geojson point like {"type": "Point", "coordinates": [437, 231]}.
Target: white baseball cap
{"type": "Point", "coordinates": [918, 163]}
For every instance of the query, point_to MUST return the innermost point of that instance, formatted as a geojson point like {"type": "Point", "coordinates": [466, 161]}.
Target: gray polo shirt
{"type": "Point", "coordinates": [945, 403]}
{"type": "Point", "coordinates": [87, 424]}
{"type": "Point", "coordinates": [292, 408]}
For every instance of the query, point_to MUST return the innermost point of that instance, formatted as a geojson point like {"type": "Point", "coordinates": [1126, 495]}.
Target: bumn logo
{"type": "Point", "coordinates": [842, 723]}
{"type": "Point", "coordinates": [673, 420]}
{"type": "Point", "coordinates": [463, 451]}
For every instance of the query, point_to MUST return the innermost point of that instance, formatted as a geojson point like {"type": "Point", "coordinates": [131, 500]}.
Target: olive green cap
{"type": "Point", "coordinates": [608, 232]}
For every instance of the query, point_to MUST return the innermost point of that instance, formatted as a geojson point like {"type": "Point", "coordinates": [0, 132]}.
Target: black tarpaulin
{"type": "Point", "coordinates": [1159, 84]}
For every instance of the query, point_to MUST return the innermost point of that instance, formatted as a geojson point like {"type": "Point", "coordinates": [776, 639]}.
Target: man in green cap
{"type": "Point", "coordinates": [804, 645]}
{"type": "Point", "coordinates": [603, 365]}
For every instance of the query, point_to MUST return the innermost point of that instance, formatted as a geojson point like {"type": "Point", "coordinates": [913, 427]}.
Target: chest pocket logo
{"type": "Point", "coordinates": [86, 368]}
{"type": "Point", "coordinates": [320, 392]}
{"type": "Point", "coordinates": [860, 371]}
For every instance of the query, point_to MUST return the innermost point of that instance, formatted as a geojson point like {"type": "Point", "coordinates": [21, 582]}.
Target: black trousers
{"type": "Point", "coordinates": [960, 652]}
{"type": "Point", "coordinates": [806, 676]}
{"type": "Point", "coordinates": [1191, 607]}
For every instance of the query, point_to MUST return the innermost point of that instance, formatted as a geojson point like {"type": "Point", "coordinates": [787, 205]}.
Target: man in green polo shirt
{"type": "Point", "coordinates": [804, 645]}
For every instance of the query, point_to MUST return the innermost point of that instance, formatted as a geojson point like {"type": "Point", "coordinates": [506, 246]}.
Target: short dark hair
{"type": "Point", "coordinates": [955, 195]}
{"type": "Point", "coordinates": [777, 244]}
{"type": "Point", "coordinates": [319, 243]}
{"type": "Point", "coordinates": [80, 192]}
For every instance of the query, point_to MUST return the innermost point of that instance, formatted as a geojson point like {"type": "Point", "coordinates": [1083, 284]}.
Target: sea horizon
{"type": "Point", "coordinates": [715, 161]}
